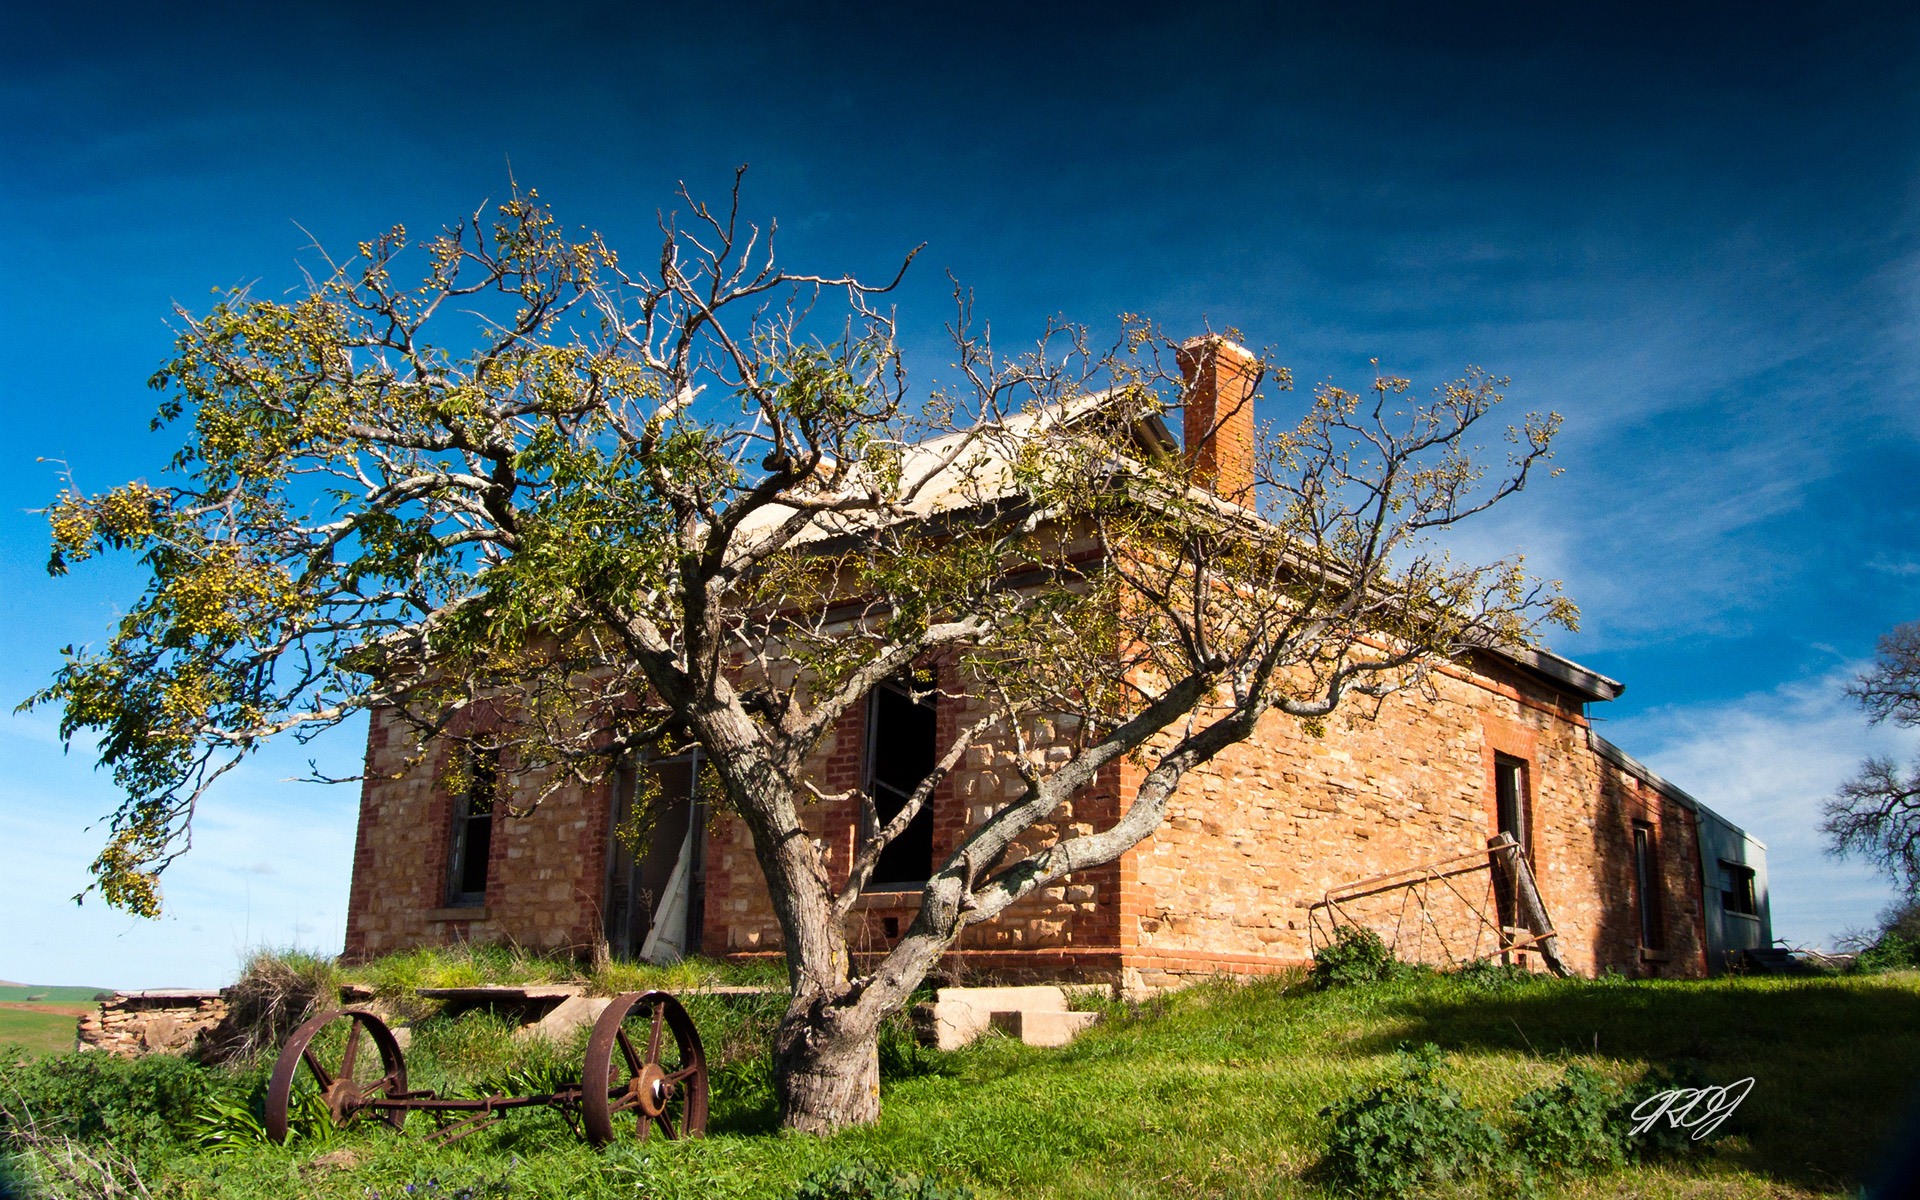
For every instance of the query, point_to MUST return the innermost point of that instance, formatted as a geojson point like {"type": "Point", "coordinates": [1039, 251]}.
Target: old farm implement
{"type": "Point", "coordinates": [644, 1071]}
{"type": "Point", "coordinates": [1473, 906]}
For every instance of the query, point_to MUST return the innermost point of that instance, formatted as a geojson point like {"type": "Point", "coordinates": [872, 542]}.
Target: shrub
{"type": "Point", "coordinates": [866, 1180]}
{"type": "Point", "coordinates": [1485, 975]}
{"type": "Point", "coordinates": [275, 992]}
{"type": "Point", "coordinates": [1407, 1134]}
{"type": "Point", "coordinates": [144, 1106]}
{"type": "Point", "coordinates": [1660, 1139]}
{"type": "Point", "coordinates": [1891, 953]}
{"type": "Point", "coordinates": [1354, 956]}
{"type": "Point", "coordinates": [497, 1187]}
{"type": "Point", "coordinates": [1572, 1126]}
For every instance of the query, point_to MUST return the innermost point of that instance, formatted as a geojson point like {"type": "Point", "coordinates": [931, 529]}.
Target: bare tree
{"type": "Point", "coordinates": [621, 510]}
{"type": "Point", "coordinates": [1876, 814]}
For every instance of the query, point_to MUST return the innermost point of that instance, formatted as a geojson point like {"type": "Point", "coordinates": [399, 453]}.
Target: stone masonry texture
{"type": "Point", "coordinates": [1251, 842]}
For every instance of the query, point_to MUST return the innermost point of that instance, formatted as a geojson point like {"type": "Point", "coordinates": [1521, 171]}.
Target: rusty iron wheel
{"type": "Point", "coordinates": [331, 1048]}
{"type": "Point", "coordinates": [636, 1072]}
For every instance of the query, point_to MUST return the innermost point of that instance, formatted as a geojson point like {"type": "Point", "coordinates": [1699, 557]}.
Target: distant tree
{"type": "Point", "coordinates": [1876, 814]}
{"type": "Point", "coordinates": [618, 506]}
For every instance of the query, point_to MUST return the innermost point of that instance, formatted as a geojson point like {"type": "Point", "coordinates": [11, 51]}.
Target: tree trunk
{"type": "Point", "coordinates": [826, 1067]}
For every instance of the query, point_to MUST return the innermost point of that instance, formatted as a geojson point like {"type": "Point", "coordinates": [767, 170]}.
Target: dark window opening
{"type": "Point", "coordinates": [1510, 818]}
{"type": "Point", "coordinates": [1510, 801]}
{"type": "Point", "coordinates": [655, 807]}
{"type": "Point", "coordinates": [473, 827]}
{"type": "Point", "coordinates": [1737, 894]}
{"type": "Point", "coordinates": [901, 751]}
{"type": "Point", "coordinates": [1646, 883]}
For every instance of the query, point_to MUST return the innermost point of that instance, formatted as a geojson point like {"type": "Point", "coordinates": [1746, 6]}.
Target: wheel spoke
{"type": "Point", "coordinates": [666, 1126]}
{"type": "Point", "coordinates": [384, 1087]}
{"type": "Point", "coordinates": [677, 1076]}
{"type": "Point", "coordinates": [653, 1039]}
{"type": "Point", "coordinates": [313, 1064]}
{"type": "Point", "coordinates": [634, 1061]}
{"type": "Point", "coordinates": [625, 1101]}
{"type": "Point", "coordinates": [353, 1051]}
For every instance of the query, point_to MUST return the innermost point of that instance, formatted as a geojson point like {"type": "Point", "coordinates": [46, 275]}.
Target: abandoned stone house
{"type": "Point", "coordinates": [1382, 821]}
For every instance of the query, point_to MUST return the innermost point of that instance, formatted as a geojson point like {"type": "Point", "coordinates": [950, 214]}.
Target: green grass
{"type": "Point", "coordinates": [52, 995]}
{"type": "Point", "coordinates": [396, 978]}
{"type": "Point", "coordinates": [36, 1032]}
{"type": "Point", "coordinates": [1214, 1092]}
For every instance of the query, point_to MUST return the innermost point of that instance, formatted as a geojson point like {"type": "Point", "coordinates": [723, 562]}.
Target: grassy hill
{"type": "Point", "coordinates": [40, 1020]}
{"type": "Point", "coordinates": [1215, 1092]}
{"type": "Point", "coordinates": [36, 1031]}
{"type": "Point", "coordinates": [18, 993]}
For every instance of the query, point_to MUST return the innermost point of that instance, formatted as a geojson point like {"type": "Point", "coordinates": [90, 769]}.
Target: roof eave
{"type": "Point", "coordinates": [1562, 673]}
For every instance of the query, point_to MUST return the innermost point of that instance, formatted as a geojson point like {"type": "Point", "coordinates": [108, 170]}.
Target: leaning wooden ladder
{"type": "Point", "coordinates": [1411, 896]}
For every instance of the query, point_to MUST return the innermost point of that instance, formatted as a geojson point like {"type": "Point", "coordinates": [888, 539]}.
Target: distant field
{"type": "Point", "coordinates": [42, 1018]}
{"type": "Point", "coordinates": [52, 995]}
{"type": "Point", "coordinates": [40, 1032]}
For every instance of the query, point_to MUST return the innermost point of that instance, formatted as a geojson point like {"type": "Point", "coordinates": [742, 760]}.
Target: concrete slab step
{"type": "Point", "coordinates": [1037, 1015]}
{"type": "Point", "coordinates": [1037, 1027]}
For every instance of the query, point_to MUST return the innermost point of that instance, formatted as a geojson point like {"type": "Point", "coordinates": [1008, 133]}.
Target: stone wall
{"type": "Point", "coordinates": [1251, 842]}
{"type": "Point", "coordinates": [1062, 922]}
{"type": "Point", "coordinates": [1258, 836]}
{"type": "Point", "coordinates": [169, 1020]}
{"type": "Point", "coordinates": [546, 872]}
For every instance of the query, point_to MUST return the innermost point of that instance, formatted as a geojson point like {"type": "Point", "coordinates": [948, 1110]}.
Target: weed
{"type": "Point", "coordinates": [1572, 1126]}
{"type": "Point", "coordinates": [275, 992]}
{"type": "Point", "coordinates": [865, 1180]}
{"type": "Point", "coordinates": [1407, 1134]}
{"type": "Point", "coordinates": [1485, 975]}
{"type": "Point", "coordinates": [1661, 1139]}
{"type": "Point", "coordinates": [234, 1122]}
{"type": "Point", "coordinates": [1892, 952]}
{"type": "Point", "coordinates": [901, 1054]}
{"type": "Point", "coordinates": [144, 1105]}
{"type": "Point", "coordinates": [1356, 955]}
{"type": "Point", "coordinates": [483, 1187]}
{"type": "Point", "coordinates": [1210, 1091]}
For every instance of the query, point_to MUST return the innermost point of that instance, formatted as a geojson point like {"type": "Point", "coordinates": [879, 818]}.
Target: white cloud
{"type": "Point", "coordinates": [1765, 761]}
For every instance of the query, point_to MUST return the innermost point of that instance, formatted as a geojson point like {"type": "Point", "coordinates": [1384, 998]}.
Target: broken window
{"type": "Point", "coordinates": [1737, 894]}
{"type": "Point", "coordinates": [1646, 883]}
{"type": "Point", "coordinates": [1510, 801]}
{"type": "Point", "coordinates": [479, 787]}
{"type": "Point", "coordinates": [655, 869]}
{"type": "Point", "coordinates": [901, 751]}
{"type": "Point", "coordinates": [1511, 818]}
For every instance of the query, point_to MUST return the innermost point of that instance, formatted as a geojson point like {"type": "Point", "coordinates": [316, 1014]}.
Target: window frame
{"type": "Point", "coordinates": [1520, 771]}
{"type": "Point", "coordinates": [1744, 881]}
{"type": "Point", "coordinates": [929, 701]}
{"type": "Point", "coordinates": [482, 770]}
{"type": "Point", "coordinates": [1648, 888]}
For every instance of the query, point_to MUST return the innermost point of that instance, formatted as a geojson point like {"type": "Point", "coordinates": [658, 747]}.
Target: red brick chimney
{"type": "Point", "coordinates": [1218, 410]}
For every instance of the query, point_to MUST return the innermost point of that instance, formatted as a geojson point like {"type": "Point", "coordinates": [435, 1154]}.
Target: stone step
{"type": "Point", "coordinates": [1038, 1027]}
{"type": "Point", "coordinates": [1037, 1015]}
{"type": "Point", "coordinates": [1002, 999]}
{"type": "Point", "coordinates": [569, 1015]}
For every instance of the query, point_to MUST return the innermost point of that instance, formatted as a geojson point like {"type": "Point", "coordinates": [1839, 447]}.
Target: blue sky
{"type": "Point", "coordinates": [1692, 235]}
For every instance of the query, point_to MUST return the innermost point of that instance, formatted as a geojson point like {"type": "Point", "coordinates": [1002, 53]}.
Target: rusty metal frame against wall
{"type": "Point", "coordinates": [1415, 884]}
